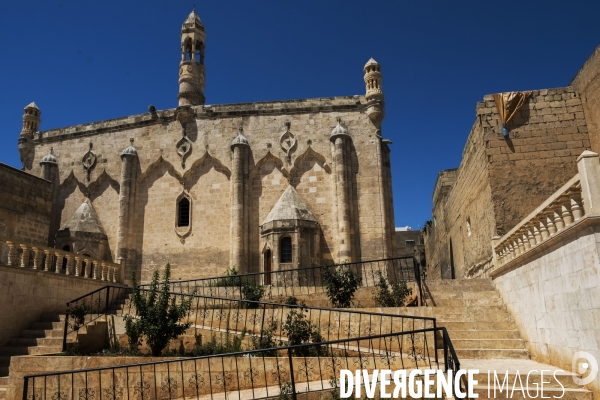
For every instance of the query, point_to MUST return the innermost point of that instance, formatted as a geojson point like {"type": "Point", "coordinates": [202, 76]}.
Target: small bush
{"type": "Point", "coordinates": [299, 330]}
{"type": "Point", "coordinates": [231, 344]}
{"type": "Point", "coordinates": [395, 297]}
{"type": "Point", "coordinates": [341, 284]}
{"type": "Point", "coordinates": [252, 292]}
{"type": "Point", "coordinates": [77, 312]}
{"type": "Point", "coordinates": [292, 301]}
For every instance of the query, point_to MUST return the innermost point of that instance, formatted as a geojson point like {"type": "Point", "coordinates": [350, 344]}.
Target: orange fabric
{"type": "Point", "coordinates": [509, 103]}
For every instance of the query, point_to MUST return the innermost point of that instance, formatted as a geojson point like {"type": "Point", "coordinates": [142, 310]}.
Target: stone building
{"type": "Point", "coordinates": [205, 187]}
{"type": "Point", "coordinates": [506, 173]}
{"type": "Point", "coordinates": [409, 242]}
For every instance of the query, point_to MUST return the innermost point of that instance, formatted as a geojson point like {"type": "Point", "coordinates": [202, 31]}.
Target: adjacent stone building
{"type": "Point", "coordinates": [506, 173]}
{"type": "Point", "coordinates": [205, 187]}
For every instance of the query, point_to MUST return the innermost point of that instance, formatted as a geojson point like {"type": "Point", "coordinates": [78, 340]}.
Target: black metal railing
{"type": "Point", "coordinates": [283, 372]}
{"type": "Point", "coordinates": [98, 303]}
{"type": "Point", "coordinates": [225, 315]}
{"type": "Point", "coordinates": [302, 281]}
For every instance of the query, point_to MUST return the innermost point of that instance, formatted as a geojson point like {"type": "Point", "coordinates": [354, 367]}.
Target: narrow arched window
{"type": "Point", "coordinates": [183, 212]}
{"type": "Point", "coordinates": [286, 250]}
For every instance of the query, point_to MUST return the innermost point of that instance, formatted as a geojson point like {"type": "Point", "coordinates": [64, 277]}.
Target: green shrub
{"type": "Point", "coordinates": [77, 312]}
{"type": "Point", "coordinates": [252, 292]}
{"type": "Point", "coordinates": [158, 314]}
{"type": "Point", "coordinates": [231, 344]}
{"type": "Point", "coordinates": [299, 330]}
{"type": "Point", "coordinates": [395, 297]}
{"type": "Point", "coordinates": [341, 284]}
{"type": "Point", "coordinates": [292, 301]}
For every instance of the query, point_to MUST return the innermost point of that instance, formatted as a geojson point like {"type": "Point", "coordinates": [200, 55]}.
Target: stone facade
{"type": "Point", "coordinates": [501, 180]}
{"type": "Point", "coordinates": [25, 206]}
{"type": "Point", "coordinates": [196, 182]}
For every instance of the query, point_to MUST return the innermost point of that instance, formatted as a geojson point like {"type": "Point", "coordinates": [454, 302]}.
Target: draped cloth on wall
{"type": "Point", "coordinates": [509, 103]}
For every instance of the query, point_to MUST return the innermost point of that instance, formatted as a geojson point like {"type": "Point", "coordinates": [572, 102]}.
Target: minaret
{"type": "Point", "coordinates": [191, 67]}
{"type": "Point", "coordinates": [31, 124]}
{"type": "Point", "coordinates": [374, 96]}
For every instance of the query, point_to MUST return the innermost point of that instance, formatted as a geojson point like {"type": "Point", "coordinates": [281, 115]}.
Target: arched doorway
{"type": "Point", "coordinates": [267, 266]}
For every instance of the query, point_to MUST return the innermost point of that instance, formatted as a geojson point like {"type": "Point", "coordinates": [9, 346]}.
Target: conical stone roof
{"type": "Point", "coordinates": [84, 220]}
{"type": "Point", "coordinates": [193, 20]}
{"type": "Point", "coordinates": [290, 206]}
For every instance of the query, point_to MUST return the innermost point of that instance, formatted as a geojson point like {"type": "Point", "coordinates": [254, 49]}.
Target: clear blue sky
{"type": "Point", "coordinates": [84, 61]}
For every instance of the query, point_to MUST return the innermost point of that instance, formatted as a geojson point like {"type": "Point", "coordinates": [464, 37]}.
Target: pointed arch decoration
{"type": "Point", "coordinates": [269, 157]}
{"type": "Point", "coordinates": [206, 158]}
{"type": "Point", "coordinates": [296, 168]}
{"type": "Point", "coordinates": [104, 176]}
{"type": "Point", "coordinates": [183, 230]}
{"type": "Point", "coordinates": [156, 164]}
{"type": "Point", "coordinates": [71, 178]}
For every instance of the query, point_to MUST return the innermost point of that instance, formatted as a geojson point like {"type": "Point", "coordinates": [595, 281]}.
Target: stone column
{"type": "Point", "coordinates": [50, 173]}
{"type": "Point", "coordinates": [126, 190]}
{"type": "Point", "coordinates": [340, 138]}
{"type": "Point", "coordinates": [589, 175]}
{"type": "Point", "coordinates": [239, 147]}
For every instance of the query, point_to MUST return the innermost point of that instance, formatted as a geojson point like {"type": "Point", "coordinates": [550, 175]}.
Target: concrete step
{"type": "Point", "coordinates": [522, 354]}
{"type": "Point", "coordinates": [480, 334]}
{"type": "Point", "coordinates": [553, 379]}
{"type": "Point", "coordinates": [488, 344]}
{"type": "Point", "coordinates": [29, 350]}
{"type": "Point", "coordinates": [52, 317]}
{"type": "Point", "coordinates": [47, 325]}
{"type": "Point", "coordinates": [443, 294]}
{"type": "Point", "coordinates": [475, 325]}
{"type": "Point", "coordinates": [460, 302]}
{"type": "Point", "coordinates": [40, 333]}
{"type": "Point", "coordinates": [52, 341]}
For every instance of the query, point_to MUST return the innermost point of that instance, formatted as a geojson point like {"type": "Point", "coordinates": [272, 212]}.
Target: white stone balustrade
{"type": "Point", "coordinates": [579, 197]}
{"type": "Point", "coordinates": [47, 259]}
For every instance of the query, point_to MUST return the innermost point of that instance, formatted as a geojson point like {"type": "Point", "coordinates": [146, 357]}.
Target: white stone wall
{"type": "Point", "coordinates": [554, 295]}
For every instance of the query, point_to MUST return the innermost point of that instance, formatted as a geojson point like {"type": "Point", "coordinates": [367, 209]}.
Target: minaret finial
{"type": "Point", "coordinates": [191, 67]}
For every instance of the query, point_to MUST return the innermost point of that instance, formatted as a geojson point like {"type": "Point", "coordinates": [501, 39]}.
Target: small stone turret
{"type": "Point", "coordinates": [191, 67]}
{"type": "Point", "coordinates": [31, 124]}
{"type": "Point", "coordinates": [374, 95]}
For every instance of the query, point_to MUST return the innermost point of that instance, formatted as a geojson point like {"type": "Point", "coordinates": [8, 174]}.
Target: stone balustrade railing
{"type": "Point", "coordinates": [58, 261]}
{"type": "Point", "coordinates": [576, 199]}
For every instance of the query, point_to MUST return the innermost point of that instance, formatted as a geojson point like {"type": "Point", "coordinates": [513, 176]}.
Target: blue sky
{"type": "Point", "coordinates": [92, 60]}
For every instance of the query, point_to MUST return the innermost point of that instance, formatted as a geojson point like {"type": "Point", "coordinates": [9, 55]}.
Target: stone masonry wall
{"type": "Point", "coordinates": [206, 177]}
{"type": "Point", "coordinates": [554, 296]}
{"type": "Point", "coordinates": [546, 137]}
{"type": "Point", "coordinates": [587, 83]}
{"type": "Point", "coordinates": [25, 206]}
{"type": "Point", "coordinates": [26, 294]}
{"type": "Point", "coordinates": [500, 181]}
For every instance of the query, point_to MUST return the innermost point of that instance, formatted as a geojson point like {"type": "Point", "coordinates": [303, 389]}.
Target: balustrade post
{"type": "Point", "coordinates": [537, 236]}
{"type": "Point", "coordinates": [24, 256]}
{"type": "Point", "coordinates": [543, 228]}
{"type": "Point", "coordinates": [558, 221]}
{"type": "Point", "coordinates": [37, 257]}
{"type": "Point", "coordinates": [68, 266]}
{"type": "Point", "coordinates": [521, 242]}
{"type": "Point", "coordinates": [103, 271]}
{"type": "Point", "coordinates": [95, 269]}
{"type": "Point", "coordinates": [530, 234]}
{"type": "Point", "coordinates": [114, 277]}
{"type": "Point", "coordinates": [48, 263]}
{"type": "Point", "coordinates": [87, 268]}
{"type": "Point", "coordinates": [576, 206]}
{"type": "Point", "coordinates": [549, 214]}
{"type": "Point", "coordinates": [59, 261]}
{"type": "Point", "coordinates": [77, 266]}
{"type": "Point", "coordinates": [12, 253]}
{"type": "Point", "coordinates": [565, 207]}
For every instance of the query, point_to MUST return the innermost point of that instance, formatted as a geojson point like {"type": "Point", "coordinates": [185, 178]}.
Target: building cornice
{"type": "Point", "coordinates": [216, 111]}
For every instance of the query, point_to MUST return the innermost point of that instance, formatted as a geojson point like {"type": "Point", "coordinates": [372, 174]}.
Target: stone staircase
{"type": "Point", "coordinates": [43, 337]}
{"type": "Point", "coordinates": [477, 320]}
